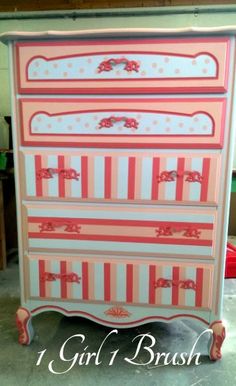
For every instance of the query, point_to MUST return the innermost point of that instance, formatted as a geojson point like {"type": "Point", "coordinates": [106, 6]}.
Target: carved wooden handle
{"type": "Point", "coordinates": [49, 226]}
{"type": "Point", "coordinates": [69, 277]}
{"type": "Point", "coordinates": [129, 65]}
{"type": "Point", "coordinates": [167, 283]}
{"type": "Point", "coordinates": [68, 174]}
{"type": "Point", "coordinates": [170, 230]}
{"type": "Point", "coordinates": [171, 175]}
{"type": "Point", "coordinates": [130, 123]}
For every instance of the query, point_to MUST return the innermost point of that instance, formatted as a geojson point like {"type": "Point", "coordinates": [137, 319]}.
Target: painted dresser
{"type": "Point", "coordinates": [123, 152]}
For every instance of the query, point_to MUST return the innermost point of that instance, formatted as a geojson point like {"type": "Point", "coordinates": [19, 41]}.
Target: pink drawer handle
{"type": "Point", "coordinates": [129, 65]}
{"type": "Point", "coordinates": [167, 283]}
{"type": "Point", "coordinates": [67, 174]}
{"type": "Point", "coordinates": [130, 123]}
{"type": "Point", "coordinates": [50, 226]}
{"type": "Point", "coordinates": [191, 176]}
{"type": "Point", "coordinates": [68, 277]}
{"type": "Point", "coordinates": [169, 231]}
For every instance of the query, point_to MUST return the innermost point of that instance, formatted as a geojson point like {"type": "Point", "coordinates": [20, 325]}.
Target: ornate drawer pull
{"type": "Point", "coordinates": [167, 283]}
{"type": "Point", "coordinates": [191, 176]}
{"type": "Point", "coordinates": [169, 231]}
{"type": "Point", "coordinates": [49, 226]}
{"type": "Point", "coordinates": [107, 65]}
{"type": "Point", "coordinates": [68, 174]}
{"type": "Point", "coordinates": [130, 123]}
{"type": "Point", "coordinates": [68, 277]}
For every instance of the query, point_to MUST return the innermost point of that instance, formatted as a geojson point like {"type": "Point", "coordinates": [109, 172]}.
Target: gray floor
{"type": "Point", "coordinates": [18, 363]}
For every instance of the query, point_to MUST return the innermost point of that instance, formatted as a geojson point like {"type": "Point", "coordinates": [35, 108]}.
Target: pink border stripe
{"type": "Point", "coordinates": [175, 288]}
{"type": "Point", "coordinates": [129, 283]}
{"type": "Point", "coordinates": [180, 179]}
{"type": "Point", "coordinates": [155, 173]}
{"type": "Point", "coordinates": [42, 287]}
{"type": "Point", "coordinates": [199, 286]}
{"type": "Point", "coordinates": [107, 187]}
{"type": "Point", "coordinates": [205, 182]}
{"type": "Point", "coordinates": [152, 279]}
{"type": "Point", "coordinates": [38, 181]}
{"type": "Point", "coordinates": [107, 282]}
{"type": "Point", "coordinates": [85, 281]}
{"type": "Point", "coordinates": [131, 178]}
{"type": "Point", "coordinates": [114, 238]}
{"type": "Point", "coordinates": [63, 280]}
{"type": "Point", "coordinates": [61, 181]}
{"type": "Point", "coordinates": [84, 176]}
{"type": "Point", "coordinates": [135, 223]}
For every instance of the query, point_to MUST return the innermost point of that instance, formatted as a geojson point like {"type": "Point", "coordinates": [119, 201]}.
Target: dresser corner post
{"type": "Point", "coordinates": [216, 340]}
{"type": "Point", "coordinates": [24, 326]}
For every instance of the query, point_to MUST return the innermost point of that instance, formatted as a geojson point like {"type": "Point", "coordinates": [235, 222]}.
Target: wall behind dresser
{"type": "Point", "coordinates": [162, 17]}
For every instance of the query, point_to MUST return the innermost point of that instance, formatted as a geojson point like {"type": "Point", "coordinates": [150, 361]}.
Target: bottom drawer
{"type": "Point", "coordinates": [97, 279]}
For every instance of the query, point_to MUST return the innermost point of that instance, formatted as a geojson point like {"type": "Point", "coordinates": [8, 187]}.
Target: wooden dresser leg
{"type": "Point", "coordinates": [217, 340]}
{"type": "Point", "coordinates": [24, 326]}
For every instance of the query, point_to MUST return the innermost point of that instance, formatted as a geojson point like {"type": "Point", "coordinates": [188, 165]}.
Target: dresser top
{"type": "Point", "coordinates": [124, 32]}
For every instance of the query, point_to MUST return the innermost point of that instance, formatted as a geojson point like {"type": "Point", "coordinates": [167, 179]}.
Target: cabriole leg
{"type": "Point", "coordinates": [217, 340]}
{"type": "Point", "coordinates": [24, 326]}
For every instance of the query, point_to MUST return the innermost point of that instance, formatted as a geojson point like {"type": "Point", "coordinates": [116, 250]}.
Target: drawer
{"type": "Point", "coordinates": [149, 230]}
{"type": "Point", "coordinates": [123, 123]}
{"type": "Point", "coordinates": [120, 280]}
{"type": "Point", "coordinates": [118, 176]}
{"type": "Point", "coordinates": [123, 66]}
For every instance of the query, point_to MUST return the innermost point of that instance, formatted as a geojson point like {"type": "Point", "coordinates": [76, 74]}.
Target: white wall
{"type": "Point", "coordinates": [227, 16]}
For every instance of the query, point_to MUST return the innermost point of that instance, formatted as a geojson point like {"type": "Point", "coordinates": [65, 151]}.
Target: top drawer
{"type": "Point", "coordinates": [123, 66]}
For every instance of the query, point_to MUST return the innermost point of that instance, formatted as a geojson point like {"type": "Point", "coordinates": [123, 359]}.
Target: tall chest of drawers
{"type": "Point", "coordinates": [123, 153]}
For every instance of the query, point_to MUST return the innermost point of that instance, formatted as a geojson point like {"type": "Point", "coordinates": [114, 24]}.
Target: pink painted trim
{"type": "Point", "coordinates": [123, 145]}
{"type": "Point", "coordinates": [131, 178]}
{"type": "Point", "coordinates": [175, 288]}
{"type": "Point", "coordinates": [148, 318]}
{"type": "Point", "coordinates": [199, 287]}
{"type": "Point", "coordinates": [84, 176]}
{"type": "Point", "coordinates": [38, 182]}
{"type": "Point", "coordinates": [107, 282]}
{"type": "Point", "coordinates": [152, 279]}
{"type": "Point", "coordinates": [205, 182]}
{"type": "Point", "coordinates": [180, 180]}
{"type": "Point", "coordinates": [22, 326]}
{"type": "Point", "coordinates": [129, 283]}
{"type": "Point", "coordinates": [42, 284]}
{"type": "Point", "coordinates": [61, 181]}
{"type": "Point", "coordinates": [63, 281]}
{"type": "Point", "coordinates": [120, 239]}
{"type": "Point", "coordinates": [155, 173]}
{"type": "Point", "coordinates": [85, 283]}
{"type": "Point", "coordinates": [142, 223]}
{"type": "Point", "coordinates": [108, 176]}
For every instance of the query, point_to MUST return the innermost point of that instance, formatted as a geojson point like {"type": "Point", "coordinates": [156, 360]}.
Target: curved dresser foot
{"type": "Point", "coordinates": [217, 340]}
{"type": "Point", "coordinates": [24, 326]}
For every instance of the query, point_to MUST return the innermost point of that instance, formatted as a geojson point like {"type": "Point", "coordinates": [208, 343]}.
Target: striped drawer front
{"type": "Point", "coordinates": [149, 230]}
{"type": "Point", "coordinates": [120, 176]}
{"type": "Point", "coordinates": [123, 123]}
{"type": "Point", "coordinates": [114, 280]}
{"type": "Point", "coordinates": [127, 65]}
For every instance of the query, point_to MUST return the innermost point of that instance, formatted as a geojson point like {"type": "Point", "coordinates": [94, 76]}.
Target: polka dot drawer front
{"type": "Point", "coordinates": [117, 122]}
{"type": "Point", "coordinates": [123, 66]}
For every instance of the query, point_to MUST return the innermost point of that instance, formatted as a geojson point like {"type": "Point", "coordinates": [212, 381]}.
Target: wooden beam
{"type": "Point", "coordinates": [45, 5]}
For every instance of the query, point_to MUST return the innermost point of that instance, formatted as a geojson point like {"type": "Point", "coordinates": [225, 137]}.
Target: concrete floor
{"type": "Point", "coordinates": [18, 363]}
